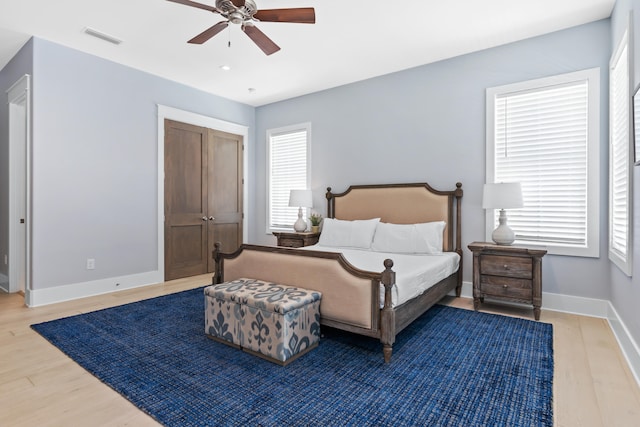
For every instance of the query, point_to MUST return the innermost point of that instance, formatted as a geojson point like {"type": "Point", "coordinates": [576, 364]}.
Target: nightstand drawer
{"type": "Point", "coordinates": [508, 266]}
{"type": "Point", "coordinates": [290, 243]}
{"type": "Point", "coordinates": [296, 240]}
{"type": "Point", "coordinates": [520, 289]}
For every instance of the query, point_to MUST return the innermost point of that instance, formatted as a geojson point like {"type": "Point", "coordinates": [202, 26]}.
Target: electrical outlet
{"type": "Point", "coordinates": [91, 263]}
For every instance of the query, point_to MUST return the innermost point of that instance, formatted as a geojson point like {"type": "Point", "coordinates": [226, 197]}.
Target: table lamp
{"type": "Point", "coordinates": [504, 195]}
{"type": "Point", "coordinates": [300, 199]}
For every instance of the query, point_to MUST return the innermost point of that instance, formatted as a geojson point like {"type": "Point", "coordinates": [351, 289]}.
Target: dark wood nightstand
{"type": "Point", "coordinates": [512, 273]}
{"type": "Point", "coordinates": [296, 240]}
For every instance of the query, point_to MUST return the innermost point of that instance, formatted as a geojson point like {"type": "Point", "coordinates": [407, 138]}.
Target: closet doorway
{"type": "Point", "coordinates": [203, 196]}
{"type": "Point", "coordinates": [18, 258]}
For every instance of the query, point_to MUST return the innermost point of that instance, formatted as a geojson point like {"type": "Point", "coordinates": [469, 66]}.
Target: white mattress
{"type": "Point", "coordinates": [414, 273]}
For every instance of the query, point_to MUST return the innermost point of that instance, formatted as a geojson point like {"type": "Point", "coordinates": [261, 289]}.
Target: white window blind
{"type": "Point", "coordinates": [619, 160]}
{"type": "Point", "coordinates": [540, 137]}
{"type": "Point", "coordinates": [287, 169]}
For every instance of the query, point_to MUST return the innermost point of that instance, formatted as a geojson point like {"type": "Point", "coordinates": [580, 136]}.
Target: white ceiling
{"type": "Point", "coordinates": [352, 40]}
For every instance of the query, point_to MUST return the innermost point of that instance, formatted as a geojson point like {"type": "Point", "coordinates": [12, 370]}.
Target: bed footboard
{"type": "Point", "coordinates": [350, 296]}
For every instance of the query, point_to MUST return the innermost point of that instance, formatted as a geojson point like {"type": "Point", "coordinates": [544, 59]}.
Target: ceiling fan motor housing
{"type": "Point", "coordinates": [237, 14]}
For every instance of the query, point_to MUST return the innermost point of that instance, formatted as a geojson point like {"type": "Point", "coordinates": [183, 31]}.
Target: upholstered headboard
{"type": "Point", "coordinates": [401, 204]}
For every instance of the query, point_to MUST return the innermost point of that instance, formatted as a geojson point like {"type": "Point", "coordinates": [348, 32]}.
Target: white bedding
{"type": "Point", "coordinates": [415, 273]}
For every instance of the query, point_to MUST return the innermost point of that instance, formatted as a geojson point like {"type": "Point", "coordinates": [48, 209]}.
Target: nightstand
{"type": "Point", "coordinates": [296, 240]}
{"type": "Point", "coordinates": [511, 273]}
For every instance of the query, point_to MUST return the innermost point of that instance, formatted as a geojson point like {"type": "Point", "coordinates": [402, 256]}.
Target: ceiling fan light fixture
{"type": "Point", "coordinates": [225, 67]}
{"type": "Point", "coordinates": [236, 17]}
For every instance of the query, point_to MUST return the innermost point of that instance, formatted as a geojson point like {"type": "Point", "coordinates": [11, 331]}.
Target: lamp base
{"type": "Point", "coordinates": [503, 234]}
{"type": "Point", "coordinates": [300, 224]}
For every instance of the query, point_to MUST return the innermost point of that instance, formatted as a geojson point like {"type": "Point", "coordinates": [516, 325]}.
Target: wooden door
{"type": "Point", "coordinates": [203, 197]}
{"type": "Point", "coordinates": [185, 200]}
{"type": "Point", "coordinates": [225, 194]}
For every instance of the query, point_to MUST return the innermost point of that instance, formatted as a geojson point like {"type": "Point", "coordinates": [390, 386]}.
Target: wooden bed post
{"type": "Point", "coordinates": [218, 271]}
{"type": "Point", "coordinates": [330, 203]}
{"type": "Point", "coordinates": [458, 196]}
{"type": "Point", "coordinates": [388, 314]}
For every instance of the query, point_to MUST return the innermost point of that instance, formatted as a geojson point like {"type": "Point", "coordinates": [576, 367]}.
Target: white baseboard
{"type": "Point", "coordinates": [4, 282]}
{"type": "Point", "coordinates": [575, 305]}
{"type": "Point", "coordinates": [589, 307]}
{"type": "Point", "coordinates": [38, 297]}
{"type": "Point", "coordinates": [629, 347]}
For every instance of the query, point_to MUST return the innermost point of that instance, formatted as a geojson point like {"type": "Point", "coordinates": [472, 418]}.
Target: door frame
{"type": "Point", "coordinates": [19, 97]}
{"type": "Point", "coordinates": [166, 112]}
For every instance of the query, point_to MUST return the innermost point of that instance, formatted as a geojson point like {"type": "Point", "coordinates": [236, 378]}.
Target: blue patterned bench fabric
{"type": "Point", "coordinates": [277, 321]}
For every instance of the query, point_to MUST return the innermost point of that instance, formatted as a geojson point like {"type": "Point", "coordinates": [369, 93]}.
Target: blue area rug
{"type": "Point", "coordinates": [451, 367]}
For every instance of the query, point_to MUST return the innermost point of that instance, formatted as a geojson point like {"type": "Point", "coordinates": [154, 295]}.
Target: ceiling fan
{"type": "Point", "coordinates": [245, 12]}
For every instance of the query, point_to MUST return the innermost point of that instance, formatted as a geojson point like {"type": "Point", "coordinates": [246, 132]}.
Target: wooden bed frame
{"type": "Point", "coordinates": [350, 296]}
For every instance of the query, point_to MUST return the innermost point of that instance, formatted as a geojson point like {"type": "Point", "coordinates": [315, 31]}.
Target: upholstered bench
{"type": "Point", "coordinates": [277, 322]}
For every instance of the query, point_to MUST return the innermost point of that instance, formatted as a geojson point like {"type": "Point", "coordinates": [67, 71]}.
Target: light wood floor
{"type": "Point", "coordinates": [39, 386]}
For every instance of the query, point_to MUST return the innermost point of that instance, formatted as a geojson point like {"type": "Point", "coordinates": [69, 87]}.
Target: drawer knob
{"type": "Point", "coordinates": [505, 286]}
{"type": "Point", "coordinates": [506, 267]}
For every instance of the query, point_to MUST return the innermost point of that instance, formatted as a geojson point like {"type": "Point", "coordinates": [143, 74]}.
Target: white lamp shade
{"type": "Point", "coordinates": [503, 195]}
{"type": "Point", "coordinates": [301, 198]}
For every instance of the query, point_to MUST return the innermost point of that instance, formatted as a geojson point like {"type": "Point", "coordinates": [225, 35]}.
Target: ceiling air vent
{"type": "Point", "coordinates": [104, 36]}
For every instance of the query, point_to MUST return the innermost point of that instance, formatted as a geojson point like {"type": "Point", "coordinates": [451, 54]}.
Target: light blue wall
{"type": "Point", "coordinates": [625, 291]}
{"type": "Point", "coordinates": [20, 64]}
{"type": "Point", "coordinates": [95, 163]}
{"type": "Point", "coordinates": [428, 124]}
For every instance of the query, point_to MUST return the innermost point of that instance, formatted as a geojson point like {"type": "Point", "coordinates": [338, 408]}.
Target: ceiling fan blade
{"type": "Point", "coordinates": [265, 43]}
{"type": "Point", "coordinates": [208, 33]}
{"type": "Point", "coordinates": [301, 15]}
{"type": "Point", "coordinates": [198, 5]}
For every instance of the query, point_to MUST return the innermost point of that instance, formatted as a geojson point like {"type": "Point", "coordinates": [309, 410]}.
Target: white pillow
{"type": "Point", "coordinates": [348, 234]}
{"type": "Point", "coordinates": [425, 238]}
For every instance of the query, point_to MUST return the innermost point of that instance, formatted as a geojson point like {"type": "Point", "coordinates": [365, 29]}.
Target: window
{"type": "Point", "coordinates": [544, 134]}
{"type": "Point", "coordinates": [287, 168]}
{"type": "Point", "coordinates": [619, 160]}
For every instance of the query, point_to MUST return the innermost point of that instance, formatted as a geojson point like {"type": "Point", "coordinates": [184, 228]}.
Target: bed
{"type": "Point", "coordinates": [356, 296]}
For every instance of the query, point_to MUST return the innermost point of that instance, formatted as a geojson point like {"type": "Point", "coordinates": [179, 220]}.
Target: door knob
{"type": "Point", "coordinates": [211, 218]}
{"type": "Point", "coordinates": [204, 218]}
